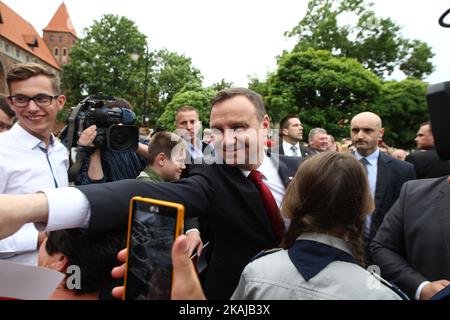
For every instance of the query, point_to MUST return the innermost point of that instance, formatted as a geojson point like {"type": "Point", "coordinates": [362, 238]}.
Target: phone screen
{"type": "Point", "coordinates": [152, 231]}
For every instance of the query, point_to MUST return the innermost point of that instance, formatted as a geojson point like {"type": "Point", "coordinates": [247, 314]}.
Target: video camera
{"type": "Point", "coordinates": [115, 125]}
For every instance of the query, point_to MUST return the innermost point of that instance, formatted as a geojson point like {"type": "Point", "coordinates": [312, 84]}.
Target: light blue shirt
{"type": "Point", "coordinates": [372, 171]}
{"type": "Point", "coordinates": [196, 151]}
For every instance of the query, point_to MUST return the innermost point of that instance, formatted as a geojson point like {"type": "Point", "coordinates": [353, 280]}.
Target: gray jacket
{"type": "Point", "coordinates": [274, 277]}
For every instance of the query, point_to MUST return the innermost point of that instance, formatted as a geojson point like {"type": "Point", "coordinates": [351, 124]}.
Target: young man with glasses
{"type": "Point", "coordinates": [30, 156]}
{"type": "Point", "coordinates": [6, 115]}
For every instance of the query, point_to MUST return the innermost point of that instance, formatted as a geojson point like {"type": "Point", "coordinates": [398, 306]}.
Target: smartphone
{"type": "Point", "coordinates": [153, 226]}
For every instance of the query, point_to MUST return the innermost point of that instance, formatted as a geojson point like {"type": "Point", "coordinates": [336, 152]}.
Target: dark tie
{"type": "Point", "coordinates": [365, 163]}
{"type": "Point", "coordinates": [367, 227]}
{"type": "Point", "coordinates": [50, 165]}
{"type": "Point", "coordinates": [294, 150]}
{"type": "Point", "coordinates": [269, 204]}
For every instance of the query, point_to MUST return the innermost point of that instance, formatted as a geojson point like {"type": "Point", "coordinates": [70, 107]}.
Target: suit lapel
{"type": "Point", "coordinates": [443, 205]}
{"type": "Point", "coordinates": [281, 150]}
{"type": "Point", "coordinates": [383, 176]}
{"type": "Point", "coordinates": [250, 195]}
{"type": "Point", "coordinates": [305, 152]}
{"type": "Point", "coordinates": [284, 173]}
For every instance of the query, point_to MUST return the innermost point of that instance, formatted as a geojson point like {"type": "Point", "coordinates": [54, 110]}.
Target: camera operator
{"type": "Point", "coordinates": [104, 165]}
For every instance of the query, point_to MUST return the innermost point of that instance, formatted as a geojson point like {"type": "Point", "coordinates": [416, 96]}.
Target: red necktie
{"type": "Point", "coordinates": [269, 204]}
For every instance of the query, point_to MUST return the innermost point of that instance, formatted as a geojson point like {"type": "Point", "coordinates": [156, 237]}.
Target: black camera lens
{"type": "Point", "coordinates": [123, 138]}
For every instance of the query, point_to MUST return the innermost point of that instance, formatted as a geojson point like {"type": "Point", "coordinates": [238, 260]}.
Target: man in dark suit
{"type": "Point", "coordinates": [291, 134]}
{"type": "Point", "coordinates": [236, 208]}
{"type": "Point", "coordinates": [426, 160]}
{"type": "Point", "coordinates": [412, 246]}
{"type": "Point", "coordinates": [386, 175]}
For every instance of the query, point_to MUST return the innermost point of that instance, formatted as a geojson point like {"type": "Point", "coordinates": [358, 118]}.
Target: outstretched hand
{"type": "Point", "coordinates": [17, 210]}
{"type": "Point", "coordinates": [9, 222]}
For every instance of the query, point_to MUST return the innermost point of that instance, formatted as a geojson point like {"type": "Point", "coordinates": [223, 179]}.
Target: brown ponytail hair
{"type": "Point", "coordinates": [329, 194]}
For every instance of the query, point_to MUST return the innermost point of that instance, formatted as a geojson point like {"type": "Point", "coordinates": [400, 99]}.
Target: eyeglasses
{"type": "Point", "coordinates": [4, 126]}
{"type": "Point", "coordinates": [41, 100]}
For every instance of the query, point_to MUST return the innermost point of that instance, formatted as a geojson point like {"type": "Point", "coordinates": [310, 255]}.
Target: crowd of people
{"type": "Point", "coordinates": [284, 220]}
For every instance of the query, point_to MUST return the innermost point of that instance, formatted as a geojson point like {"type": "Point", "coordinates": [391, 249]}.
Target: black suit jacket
{"type": "Point", "coordinates": [413, 243]}
{"type": "Point", "coordinates": [428, 164]}
{"type": "Point", "coordinates": [391, 176]}
{"type": "Point", "coordinates": [219, 193]}
{"type": "Point", "coordinates": [305, 151]}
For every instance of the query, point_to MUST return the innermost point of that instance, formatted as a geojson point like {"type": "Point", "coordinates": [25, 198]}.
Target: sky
{"type": "Point", "coordinates": [235, 39]}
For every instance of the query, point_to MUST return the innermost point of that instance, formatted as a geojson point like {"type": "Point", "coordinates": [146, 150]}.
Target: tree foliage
{"type": "Point", "coordinates": [192, 95]}
{"type": "Point", "coordinates": [112, 58]}
{"type": "Point", "coordinates": [222, 84]}
{"type": "Point", "coordinates": [102, 61]}
{"type": "Point", "coordinates": [374, 41]}
{"type": "Point", "coordinates": [325, 91]}
{"type": "Point", "coordinates": [402, 106]}
{"type": "Point", "coordinates": [170, 72]}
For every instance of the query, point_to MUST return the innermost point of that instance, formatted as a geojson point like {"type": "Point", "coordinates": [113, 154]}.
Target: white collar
{"type": "Point", "coordinates": [372, 158]}
{"type": "Point", "coordinates": [28, 140]}
{"type": "Point", "coordinates": [287, 145]}
{"type": "Point", "coordinates": [267, 168]}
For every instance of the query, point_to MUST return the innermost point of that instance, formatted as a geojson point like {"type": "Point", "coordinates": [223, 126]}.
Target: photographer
{"type": "Point", "coordinates": [105, 165]}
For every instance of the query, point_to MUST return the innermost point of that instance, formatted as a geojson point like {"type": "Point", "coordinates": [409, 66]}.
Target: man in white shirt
{"type": "Point", "coordinates": [291, 133]}
{"type": "Point", "coordinates": [30, 156]}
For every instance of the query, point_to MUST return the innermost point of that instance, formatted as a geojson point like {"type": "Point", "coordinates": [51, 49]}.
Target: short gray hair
{"type": "Point", "coordinates": [316, 131]}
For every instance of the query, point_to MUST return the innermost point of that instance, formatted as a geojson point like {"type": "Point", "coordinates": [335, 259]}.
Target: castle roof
{"type": "Point", "coordinates": [61, 22]}
{"type": "Point", "coordinates": [20, 32]}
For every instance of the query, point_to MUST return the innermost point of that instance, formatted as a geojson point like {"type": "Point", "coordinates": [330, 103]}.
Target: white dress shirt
{"type": "Point", "coordinates": [372, 171]}
{"type": "Point", "coordinates": [26, 166]}
{"type": "Point", "coordinates": [287, 148]}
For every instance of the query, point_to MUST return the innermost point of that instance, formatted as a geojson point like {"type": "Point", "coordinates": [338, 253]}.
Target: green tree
{"type": "Point", "coordinates": [192, 95]}
{"type": "Point", "coordinates": [222, 84]}
{"type": "Point", "coordinates": [170, 72]}
{"type": "Point", "coordinates": [112, 58]}
{"type": "Point", "coordinates": [402, 106]}
{"type": "Point", "coordinates": [102, 62]}
{"type": "Point", "coordinates": [374, 41]}
{"type": "Point", "coordinates": [325, 91]}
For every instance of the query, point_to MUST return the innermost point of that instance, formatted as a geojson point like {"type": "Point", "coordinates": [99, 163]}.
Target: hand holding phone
{"type": "Point", "coordinates": [152, 229]}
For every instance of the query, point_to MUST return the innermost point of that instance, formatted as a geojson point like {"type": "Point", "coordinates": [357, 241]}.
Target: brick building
{"type": "Point", "coordinates": [20, 42]}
